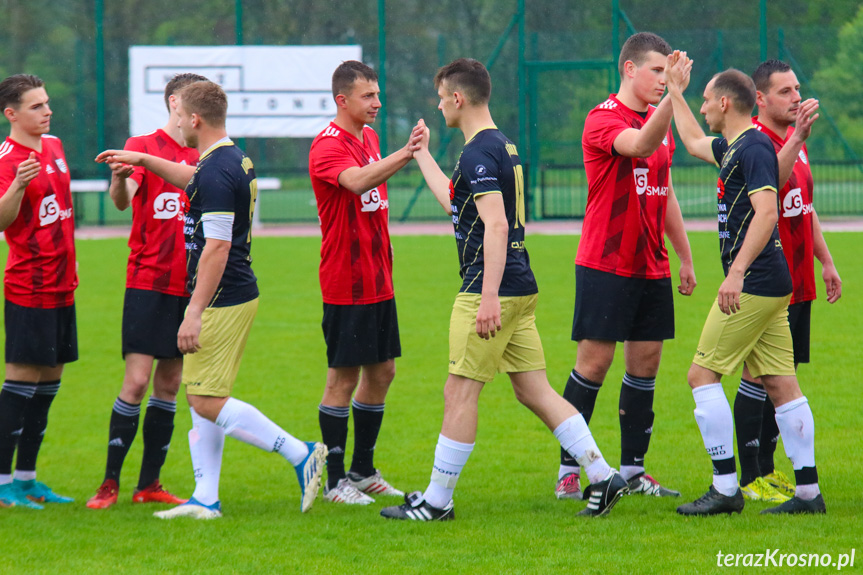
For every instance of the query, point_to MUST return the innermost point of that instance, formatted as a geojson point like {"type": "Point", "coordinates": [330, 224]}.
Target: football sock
{"type": "Point", "coordinates": [244, 422]}
{"type": "Point", "coordinates": [334, 432]}
{"type": "Point", "coordinates": [35, 424]}
{"type": "Point", "coordinates": [121, 433]}
{"type": "Point", "coordinates": [581, 393]}
{"type": "Point", "coordinates": [450, 458]}
{"type": "Point", "coordinates": [768, 440]}
{"type": "Point", "coordinates": [748, 407]}
{"type": "Point", "coordinates": [25, 475]}
{"type": "Point", "coordinates": [713, 415]}
{"type": "Point", "coordinates": [14, 397]}
{"type": "Point", "coordinates": [367, 425]}
{"type": "Point", "coordinates": [798, 436]}
{"type": "Point", "coordinates": [564, 470]}
{"type": "Point", "coordinates": [206, 441]}
{"type": "Point", "coordinates": [158, 428]}
{"type": "Point", "coordinates": [575, 438]}
{"type": "Point", "coordinates": [636, 422]}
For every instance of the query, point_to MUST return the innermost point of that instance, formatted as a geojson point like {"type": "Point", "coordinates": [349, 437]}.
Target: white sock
{"type": "Point", "coordinates": [206, 440]}
{"type": "Point", "coordinates": [575, 438]}
{"type": "Point", "coordinates": [566, 470]}
{"type": "Point", "coordinates": [25, 475]}
{"type": "Point", "coordinates": [630, 471]}
{"type": "Point", "coordinates": [244, 422]}
{"type": "Point", "coordinates": [5, 478]}
{"type": "Point", "coordinates": [450, 458]}
{"type": "Point", "coordinates": [797, 428]}
{"type": "Point", "coordinates": [713, 415]}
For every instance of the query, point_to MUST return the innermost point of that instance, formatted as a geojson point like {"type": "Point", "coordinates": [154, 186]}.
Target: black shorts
{"type": "Point", "coordinates": [361, 334]}
{"type": "Point", "coordinates": [800, 320]}
{"type": "Point", "coordinates": [150, 323]}
{"type": "Point", "coordinates": [36, 336]}
{"type": "Point", "coordinates": [615, 308]}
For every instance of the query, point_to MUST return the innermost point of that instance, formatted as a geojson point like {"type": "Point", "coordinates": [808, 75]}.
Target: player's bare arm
{"type": "Point", "coordinates": [676, 233]}
{"type": "Point", "coordinates": [787, 156]}
{"type": "Point", "coordinates": [178, 175]}
{"type": "Point", "coordinates": [10, 202]}
{"type": "Point", "coordinates": [359, 180]}
{"type": "Point", "coordinates": [122, 189]}
{"type": "Point", "coordinates": [677, 79]}
{"type": "Point", "coordinates": [643, 143]}
{"type": "Point", "coordinates": [436, 180]}
{"type": "Point", "coordinates": [760, 229]}
{"type": "Point", "coordinates": [832, 281]}
{"type": "Point", "coordinates": [211, 266]}
{"type": "Point", "coordinates": [493, 215]}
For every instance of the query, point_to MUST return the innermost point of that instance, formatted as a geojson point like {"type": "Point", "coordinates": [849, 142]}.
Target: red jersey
{"type": "Point", "coordinates": [40, 269]}
{"type": "Point", "coordinates": [157, 261]}
{"type": "Point", "coordinates": [624, 223]}
{"type": "Point", "coordinates": [356, 254]}
{"type": "Point", "coordinates": [796, 224]}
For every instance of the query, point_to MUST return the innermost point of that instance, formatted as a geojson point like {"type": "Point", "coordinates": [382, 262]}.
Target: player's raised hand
{"type": "Point", "coordinates": [678, 67]}
{"type": "Point", "coordinates": [120, 157]}
{"type": "Point", "coordinates": [806, 116]}
{"type": "Point", "coordinates": [27, 170]}
{"type": "Point", "coordinates": [415, 142]}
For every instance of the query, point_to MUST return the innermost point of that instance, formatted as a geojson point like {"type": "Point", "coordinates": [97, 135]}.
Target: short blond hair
{"type": "Point", "coordinates": [207, 100]}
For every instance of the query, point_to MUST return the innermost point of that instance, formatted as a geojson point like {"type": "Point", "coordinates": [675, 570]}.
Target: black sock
{"type": "Point", "coordinates": [14, 398]}
{"type": "Point", "coordinates": [769, 438]}
{"type": "Point", "coordinates": [636, 418]}
{"type": "Point", "coordinates": [35, 424]}
{"type": "Point", "coordinates": [158, 428]}
{"type": "Point", "coordinates": [581, 393]}
{"type": "Point", "coordinates": [748, 406]}
{"type": "Point", "coordinates": [334, 432]}
{"type": "Point", "coordinates": [121, 434]}
{"type": "Point", "coordinates": [367, 425]}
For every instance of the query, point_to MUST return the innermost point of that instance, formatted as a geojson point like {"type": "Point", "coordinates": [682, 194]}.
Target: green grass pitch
{"type": "Point", "coordinates": [508, 520]}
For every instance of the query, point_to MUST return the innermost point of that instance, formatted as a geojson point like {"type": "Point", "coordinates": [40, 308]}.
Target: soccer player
{"type": "Point", "coordinates": [622, 274]}
{"type": "Point", "coordinates": [41, 338]}
{"type": "Point", "coordinates": [155, 300]}
{"type": "Point", "coordinates": [223, 303]}
{"type": "Point", "coordinates": [493, 326]}
{"type": "Point", "coordinates": [360, 324]}
{"type": "Point", "coordinates": [749, 319]}
{"type": "Point", "coordinates": [778, 100]}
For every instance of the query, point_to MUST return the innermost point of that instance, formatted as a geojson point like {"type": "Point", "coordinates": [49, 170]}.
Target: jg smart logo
{"type": "Point", "coordinates": [640, 175]}
{"type": "Point", "coordinates": [166, 206]}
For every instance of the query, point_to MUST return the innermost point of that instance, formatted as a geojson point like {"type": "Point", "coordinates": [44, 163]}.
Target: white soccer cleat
{"type": "Point", "coordinates": [345, 492]}
{"type": "Point", "coordinates": [374, 484]}
{"type": "Point", "coordinates": [193, 509]}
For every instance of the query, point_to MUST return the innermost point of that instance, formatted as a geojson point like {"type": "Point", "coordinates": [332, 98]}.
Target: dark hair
{"type": "Point", "coordinates": [765, 70]}
{"type": "Point", "coordinates": [738, 87]}
{"type": "Point", "coordinates": [13, 87]}
{"type": "Point", "coordinates": [206, 99]}
{"type": "Point", "coordinates": [468, 76]}
{"type": "Point", "coordinates": [638, 46]}
{"type": "Point", "coordinates": [178, 82]}
{"type": "Point", "coordinates": [347, 73]}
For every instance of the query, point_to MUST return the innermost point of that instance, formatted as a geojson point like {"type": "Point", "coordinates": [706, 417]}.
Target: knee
{"type": "Point", "coordinates": [135, 387]}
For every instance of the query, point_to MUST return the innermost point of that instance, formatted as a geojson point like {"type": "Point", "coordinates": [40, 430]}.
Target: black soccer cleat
{"type": "Point", "coordinates": [714, 503]}
{"type": "Point", "coordinates": [415, 508]}
{"type": "Point", "coordinates": [796, 505]}
{"type": "Point", "coordinates": [604, 495]}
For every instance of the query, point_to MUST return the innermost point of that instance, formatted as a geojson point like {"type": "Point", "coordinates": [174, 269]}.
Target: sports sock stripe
{"type": "Point", "coordinates": [752, 390]}
{"type": "Point", "coordinates": [642, 383]}
{"type": "Point", "coordinates": [367, 406]}
{"type": "Point", "coordinates": [335, 411]}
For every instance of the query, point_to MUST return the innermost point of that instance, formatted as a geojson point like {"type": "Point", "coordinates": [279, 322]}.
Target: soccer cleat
{"type": "Point", "coordinates": [780, 483]}
{"type": "Point", "coordinates": [647, 485]}
{"type": "Point", "coordinates": [568, 487]}
{"type": "Point", "coordinates": [106, 495]}
{"type": "Point", "coordinates": [416, 508]}
{"type": "Point", "coordinates": [796, 505]}
{"type": "Point", "coordinates": [309, 474]}
{"type": "Point", "coordinates": [10, 496]}
{"type": "Point", "coordinates": [345, 492]}
{"type": "Point", "coordinates": [39, 492]}
{"type": "Point", "coordinates": [605, 494]}
{"type": "Point", "coordinates": [192, 508]}
{"type": "Point", "coordinates": [714, 503]}
{"type": "Point", "coordinates": [373, 484]}
{"type": "Point", "coordinates": [155, 493]}
{"type": "Point", "coordinates": [760, 490]}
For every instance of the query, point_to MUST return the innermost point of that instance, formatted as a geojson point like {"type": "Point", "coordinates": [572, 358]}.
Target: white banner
{"type": "Point", "coordinates": [273, 91]}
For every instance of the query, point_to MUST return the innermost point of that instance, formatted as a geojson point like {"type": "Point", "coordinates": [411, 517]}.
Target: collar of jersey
{"type": "Point", "coordinates": [469, 140]}
{"type": "Point", "coordinates": [773, 135]}
{"type": "Point", "coordinates": [226, 141]}
{"type": "Point", "coordinates": [737, 137]}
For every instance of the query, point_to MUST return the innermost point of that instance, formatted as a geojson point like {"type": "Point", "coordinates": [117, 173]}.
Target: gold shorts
{"type": "Point", "coordinates": [224, 331]}
{"type": "Point", "coordinates": [515, 348]}
{"type": "Point", "coordinates": [757, 334]}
